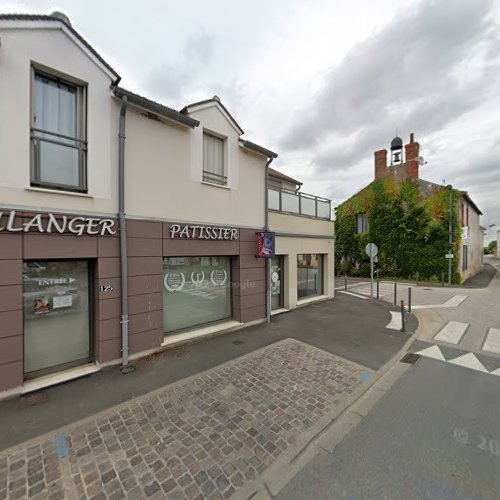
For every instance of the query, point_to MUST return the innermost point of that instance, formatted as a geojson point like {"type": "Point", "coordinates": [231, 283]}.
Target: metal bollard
{"type": "Point", "coordinates": [395, 293]}
{"type": "Point", "coordinates": [403, 329]}
{"type": "Point", "coordinates": [377, 288]}
{"type": "Point", "coordinates": [345, 282]}
{"type": "Point", "coordinates": [409, 299]}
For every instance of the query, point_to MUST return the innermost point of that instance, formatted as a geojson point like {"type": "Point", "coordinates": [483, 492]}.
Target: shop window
{"type": "Point", "coordinates": [361, 224]}
{"type": "Point", "coordinates": [57, 311]}
{"type": "Point", "coordinates": [277, 288]}
{"type": "Point", "coordinates": [58, 134]}
{"type": "Point", "coordinates": [213, 160]}
{"type": "Point", "coordinates": [196, 291]}
{"type": "Point", "coordinates": [309, 275]}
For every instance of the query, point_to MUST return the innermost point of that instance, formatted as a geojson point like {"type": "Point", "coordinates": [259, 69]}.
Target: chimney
{"type": "Point", "coordinates": [380, 163]}
{"type": "Point", "coordinates": [412, 150]}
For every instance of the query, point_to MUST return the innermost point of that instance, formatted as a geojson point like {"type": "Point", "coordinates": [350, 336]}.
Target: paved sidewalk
{"type": "Point", "coordinates": [346, 326]}
{"type": "Point", "coordinates": [203, 437]}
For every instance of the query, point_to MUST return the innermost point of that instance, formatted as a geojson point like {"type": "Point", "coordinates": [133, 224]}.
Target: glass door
{"type": "Point", "coordinates": [277, 288]}
{"type": "Point", "coordinates": [56, 307]}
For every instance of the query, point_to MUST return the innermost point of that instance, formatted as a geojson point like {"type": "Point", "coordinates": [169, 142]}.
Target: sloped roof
{"type": "Point", "coordinates": [186, 109]}
{"type": "Point", "coordinates": [43, 17]}
{"type": "Point", "coordinates": [155, 107]}
{"type": "Point", "coordinates": [283, 177]}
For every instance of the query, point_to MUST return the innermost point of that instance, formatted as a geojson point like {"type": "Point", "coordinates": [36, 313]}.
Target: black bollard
{"type": "Point", "coordinates": [403, 329]}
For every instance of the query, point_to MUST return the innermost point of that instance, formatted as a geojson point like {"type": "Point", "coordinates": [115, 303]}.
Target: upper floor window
{"type": "Point", "coordinates": [213, 160]}
{"type": "Point", "coordinates": [361, 224]}
{"type": "Point", "coordinates": [58, 134]}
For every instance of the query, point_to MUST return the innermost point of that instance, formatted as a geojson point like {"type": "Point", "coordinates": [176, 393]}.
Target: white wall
{"type": "Point", "coordinates": [57, 51]}
{"type": "Point", "coordinates": [164, 166]}
{"type": "Point", "coordinates": [475, 245]}
{"type": "Point", "coordinates": [291, 246]}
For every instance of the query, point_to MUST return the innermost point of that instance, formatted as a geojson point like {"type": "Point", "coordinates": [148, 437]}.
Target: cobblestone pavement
{"type": "Point", "coordinates": [203, 437]}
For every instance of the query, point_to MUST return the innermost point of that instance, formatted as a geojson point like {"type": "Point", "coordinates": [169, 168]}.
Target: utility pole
{"type": "Point", "coordinates": [450, 229]}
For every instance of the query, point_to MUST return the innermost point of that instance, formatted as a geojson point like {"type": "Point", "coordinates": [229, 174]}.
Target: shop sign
{"type": "Point", "coordinates": [48, 223]}
{"type": "Point", "coordinates": [203, 232]}
{"type": "Point", "coordinates": [265, 245]}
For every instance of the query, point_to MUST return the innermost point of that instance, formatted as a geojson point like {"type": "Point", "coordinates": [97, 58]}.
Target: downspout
{"type": "Point", "coordinates": [125, 367]}
{"type": "Point", "coordinates": [266, 228]}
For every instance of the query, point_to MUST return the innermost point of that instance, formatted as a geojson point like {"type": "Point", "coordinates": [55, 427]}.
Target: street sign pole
{"type": "Point", "coordinates": [371, 250]}
{"type": "Point", "coordinates": [371, 276]}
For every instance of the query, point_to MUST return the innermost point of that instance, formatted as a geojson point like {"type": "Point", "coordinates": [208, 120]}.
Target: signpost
{"type": "Point", "coordinates": [371, 250]}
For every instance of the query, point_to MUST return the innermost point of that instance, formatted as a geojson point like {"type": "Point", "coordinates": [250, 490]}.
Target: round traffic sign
{"type": "Point", "coordinates": [371, 249]}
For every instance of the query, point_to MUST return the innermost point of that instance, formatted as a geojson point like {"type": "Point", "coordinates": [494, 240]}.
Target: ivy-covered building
{"type": "Point", "coordinates": [415, 223]}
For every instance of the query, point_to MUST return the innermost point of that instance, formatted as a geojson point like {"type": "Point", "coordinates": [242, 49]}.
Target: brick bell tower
{"type": "Point", "coordinates": [401, 166]}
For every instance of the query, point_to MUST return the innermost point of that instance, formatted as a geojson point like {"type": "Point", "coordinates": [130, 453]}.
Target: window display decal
{"type": "Point", "coordinates": [174, 282]}
{"type": "Point", "coordinates": [62, 301]}
{"type": "Point", "coordinates": [198, 279]}
{"type": "Point", "coordinates": [218, 277]}
{"type": "Point", "coordinates": [41, 306]}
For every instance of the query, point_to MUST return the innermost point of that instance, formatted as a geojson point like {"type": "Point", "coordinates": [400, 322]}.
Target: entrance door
{"type": "Point", "coordinates": [56, 315]}
{"type": "Point", "coordinates": [277, 287]}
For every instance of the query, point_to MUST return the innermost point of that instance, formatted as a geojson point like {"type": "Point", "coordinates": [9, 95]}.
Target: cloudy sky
{"type": "Point", "coordinates": [322, 82]}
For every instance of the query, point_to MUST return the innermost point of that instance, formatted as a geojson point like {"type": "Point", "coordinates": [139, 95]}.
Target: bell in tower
{"type": "Point", "coordinates": [396, 151]}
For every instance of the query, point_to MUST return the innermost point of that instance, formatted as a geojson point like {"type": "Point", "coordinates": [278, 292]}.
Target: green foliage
{"type": "Point", "coordinates": [410, 230]}
{"type": "Point", "coordinates": [491, 248]}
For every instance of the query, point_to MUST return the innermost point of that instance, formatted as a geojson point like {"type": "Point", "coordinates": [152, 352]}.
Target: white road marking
{"type": "Point", "coordinates": [432, 352]}
{"type": "Point", "coordinates": [453, 302]}
{"type": "Point", "coordinates": [452, 332]}
{"type": "Point", "coordinates": [354, 295]}
{"type": "Point", "coordinates": [395, 323]}
{"type": "Point", "coordinates": [496, 372]}
{"type": "Point", "coordinates": [469, 361]}
{"type": "Point", "coordinates": [492, 342]}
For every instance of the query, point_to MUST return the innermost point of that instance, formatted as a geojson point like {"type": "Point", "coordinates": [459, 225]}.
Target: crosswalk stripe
{"type": "Point", "coordinates": [466, 360]}
{"type": "Point", "coordinates": [432, 352]}
{"type": "Point", "coordinates": [452, 332]}
{"type": "Point", "coordinates": [469, 361]}
{"type": "Point", "coordinates": [492, 342]}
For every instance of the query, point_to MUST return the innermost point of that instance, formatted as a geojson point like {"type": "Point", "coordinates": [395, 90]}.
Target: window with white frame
{"type": "Point", "coordinates": [213, 160]}
{"type": "Point", "coordinates": [58, 134]}
{"type": "Point", "coordinates": [361, 224]}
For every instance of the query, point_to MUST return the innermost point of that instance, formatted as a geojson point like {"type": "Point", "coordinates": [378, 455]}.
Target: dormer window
{"type": "Point", "coordinates": [361, 224]}
{"type": "Point", "coordinates": [213, 160]}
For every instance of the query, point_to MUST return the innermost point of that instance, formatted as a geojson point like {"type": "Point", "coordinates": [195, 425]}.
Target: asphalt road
{"type": "Point", "coordinates": [435, 435]}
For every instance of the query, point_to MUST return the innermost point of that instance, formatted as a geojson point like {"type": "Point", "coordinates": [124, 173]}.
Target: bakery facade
{"type": "Point", "coordinates": [126, 226]}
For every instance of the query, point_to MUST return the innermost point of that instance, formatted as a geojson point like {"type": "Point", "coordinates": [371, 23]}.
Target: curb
{"type": "Point", "coordinates": [329, 431]}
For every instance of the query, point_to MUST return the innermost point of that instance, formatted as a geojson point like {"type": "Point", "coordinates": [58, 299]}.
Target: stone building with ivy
{"type": "Point", "coordinates": [415, 223]}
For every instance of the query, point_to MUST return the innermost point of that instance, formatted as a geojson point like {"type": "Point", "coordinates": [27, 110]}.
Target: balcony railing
{"type": "Point", "coordinates": [291, 202]}
{"type": "Point", "coordinates": [214, 178]}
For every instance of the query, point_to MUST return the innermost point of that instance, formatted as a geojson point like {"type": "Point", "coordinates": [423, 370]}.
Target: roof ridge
{"type": "Point", "coordinates": [49, 17]}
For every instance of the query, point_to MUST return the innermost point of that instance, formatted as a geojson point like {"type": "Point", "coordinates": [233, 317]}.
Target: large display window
{"type": "Point", "coordinates": [56, 315]}
{"type": "Point", "coordinates": [309, 275]}
{"type": "Point", "coordinates": [196, 291]}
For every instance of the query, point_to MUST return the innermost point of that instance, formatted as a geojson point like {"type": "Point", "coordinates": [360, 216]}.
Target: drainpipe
{"type": "Point", "coordinates": [266, 226]}
{"type": "Point", "coordinates": [125, 368]}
